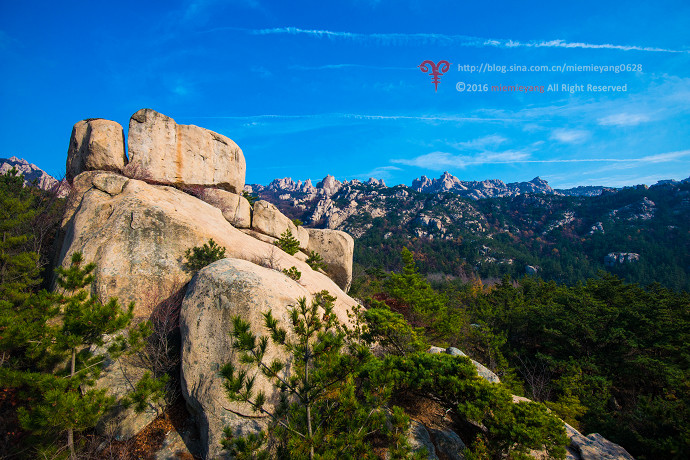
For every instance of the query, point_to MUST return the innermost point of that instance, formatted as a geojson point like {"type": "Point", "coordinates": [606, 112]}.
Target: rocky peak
{"type": "Point", "coordinates": [479, 189]}
{"type": "Point", "coordinates": [32, 173]}
{"type": "Point", "coordinates": [375, 182]}
{"type": "Point", "coordinates": [538, 181]}
{"type": "Point", "coordinates": [284, 184]}
{"type": "Point", "coordinates": [329, 185]}
{"type": "Point", "coordinates": [421, 184]}
{"type": "Point", "coordinates": [307, 187]}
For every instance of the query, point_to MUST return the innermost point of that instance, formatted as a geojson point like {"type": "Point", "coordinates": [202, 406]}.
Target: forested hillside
{"type": "Point", "coordinates": [564, 238]}
{"type": "Point", "coordinates": [606, 356]}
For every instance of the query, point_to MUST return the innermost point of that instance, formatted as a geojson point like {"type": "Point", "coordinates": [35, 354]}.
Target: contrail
{"type": "Point", "coordinates": [460, 40]}
{"type": "Point", "coordinates": [354, 116]}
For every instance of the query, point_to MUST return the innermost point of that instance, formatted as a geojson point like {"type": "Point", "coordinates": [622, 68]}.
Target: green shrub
{"type": "Point", "coordinates": [200, 256]}
{"type": "Point", "coordinates": [297, 222]}
{"type": "Point", "coordinates": [293, 273]}
{"type": "Point", "coordinates": [288, 242]}
{"type": "Point", "coordinates": [315, 261]}
{"type": "Point", "coordinates": [250, 197]}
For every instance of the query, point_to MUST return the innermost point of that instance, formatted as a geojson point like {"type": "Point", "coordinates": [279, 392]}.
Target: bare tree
{"type": "Point", "coordinates": [537, 375]}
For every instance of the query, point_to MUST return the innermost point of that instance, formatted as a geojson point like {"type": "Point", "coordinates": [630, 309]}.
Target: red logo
{"type": "Point", "coordinates": [436, 70]}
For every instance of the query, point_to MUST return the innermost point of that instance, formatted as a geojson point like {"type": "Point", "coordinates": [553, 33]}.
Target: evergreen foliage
{"type": "Point", "coordinates": [426, 306]}
{"type": "Point", "coordinates": [315, 261]}
{"type": "Point", "coordinates": [288, 243]}
{"type": "Point", "coordinates": [54, 342]}
{"type": "Point", "coordinates": [250, 197]}
{"type": "Point", "coordinates": [509, 430]}
{"type": "Point", "coordinates": [200, 256]}
{"type": "Point", "coordinates": [292, 273]}
{"type": "Point", "coordinates": [19, 267]}
{"type": "Point", "coordinates": [332, 397]}
{"type": "Point", "coordinates": [605, 356]}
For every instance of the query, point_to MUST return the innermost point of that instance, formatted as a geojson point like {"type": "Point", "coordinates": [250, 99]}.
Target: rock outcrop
{"type": "Point", "coordinates": [138, 238]}
{"type": "Point", "coordinates": [614, 258]}
{"type": "Point", "coordinates": [219, 292]}
{"type": "Point", "coordinates": [482, 370]}
{"type": "Point", "coordinates": [594, 447]}
{"type": "Point", "coordinates": [337, 249]}
{"type": "Point", "coordinates": [137, 233]}
{"type": "Point", "coordinates": [95, 145]}
{"type": "Point", "coordinates": [164, 152]}
{"type": "Point", "coordinates": [267, 219]}
{"type": "Point", "coordinates": [235, 208]}
{"type": "Point", "coordinates": [480, 189]}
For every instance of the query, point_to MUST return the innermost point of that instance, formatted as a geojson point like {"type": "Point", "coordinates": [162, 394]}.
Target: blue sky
{"type": "Point", "coordinates": [333, 87]}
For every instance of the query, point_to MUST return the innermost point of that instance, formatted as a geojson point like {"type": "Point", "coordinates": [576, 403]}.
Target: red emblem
{"type": "Point", "coordinates": [436, 70]}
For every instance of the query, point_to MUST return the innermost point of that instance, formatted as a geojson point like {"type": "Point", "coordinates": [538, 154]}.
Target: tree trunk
{"type": "Point", "coordinates": [308, 402]}
{"type": "Point", "coordinates": [70, 431]}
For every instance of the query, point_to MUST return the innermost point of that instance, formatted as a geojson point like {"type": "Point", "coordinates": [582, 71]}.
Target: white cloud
{"type": "Point", "coordinates": [381, 172]}
{"type": "Point", "coordinates": [262, 71]}
{"type": "Point", "coordinates": [569, 136]}
{"type": "Point", "coordinates": [459, 40]}
{"type": "Point", "coordinates": [345, 66]}
{"type": "Point", "coordinates": [439, 161]}
{"type": "Point", "coordinates": [361, 116]}
{"type": "Point", "coordinates": [481, 143]}
{"type": "Point", "coordinates": [624, 119]}
{"type": "Point", "coordinates": [616, 180]}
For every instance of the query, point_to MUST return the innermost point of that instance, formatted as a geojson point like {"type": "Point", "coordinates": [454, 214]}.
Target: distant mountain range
{"type": "Point", "coordinates": [33, 173]}
{"type": "Point", "coordinates": [490, 228]}
{"type": "Point", "coordinates": [476, 190]}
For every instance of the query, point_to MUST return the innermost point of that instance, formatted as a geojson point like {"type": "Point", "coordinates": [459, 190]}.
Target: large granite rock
{"type": "Point", "coordinates": [96, 144]}
{"type": "Point", "coordinates": [235, 208]}
{"type": "Point", "coordinates": [594, 447]}
{"type": "Point", "coordinates": [448, 444]}
{"type": "Point", "coordinates": [137, 234]}
{"type": "Point", "coordinates": [337, 249]}
{"type": "Point", "coordinates": [419, 438]}
{"type": "Point", "coordinates": [268, 220]}
{"type": "Point", "coordinates": [164, 152]}
{"type": "Point", "coordinates": [224, 289]}
{"type": "Point", "coordinates": [138, 238]}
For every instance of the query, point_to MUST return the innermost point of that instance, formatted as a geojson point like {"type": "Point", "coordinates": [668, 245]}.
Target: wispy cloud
{"type": "Point", "coordinates": [458, 40]}
{"type": "Point", "coordinates": [439, 160]}
{"type": "Point", "coordinates": [616, 180]}
{"type": "Point", "coordinates": [381, 172]}
{"type": "Point", "coordinates": [569, 136]}
{"type": "Point", "coordinates": [262, 71]}
{"type": "Point", "coordinates": [357, 116]}
{"type": "Point", "coordinates": [624, 119]}
{"type": "Point", "coordinates": [346, 66]}
{"type": "Point", "coordinates": [481, 143]}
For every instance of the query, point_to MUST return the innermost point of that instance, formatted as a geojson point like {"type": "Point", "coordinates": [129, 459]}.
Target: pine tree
{"type": "Point", "coordinates": [288, 243]}
{"type": "Point", "coordinates": [332, 400]}
{"type": "Point", "coordinates": [200, 256]}
{"type": "Point", "coordinates": [19, 268]}
{"type": "Point", "coordinates": [54, 338]}
{"type": "Point", "coordinates": [315, 261]}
